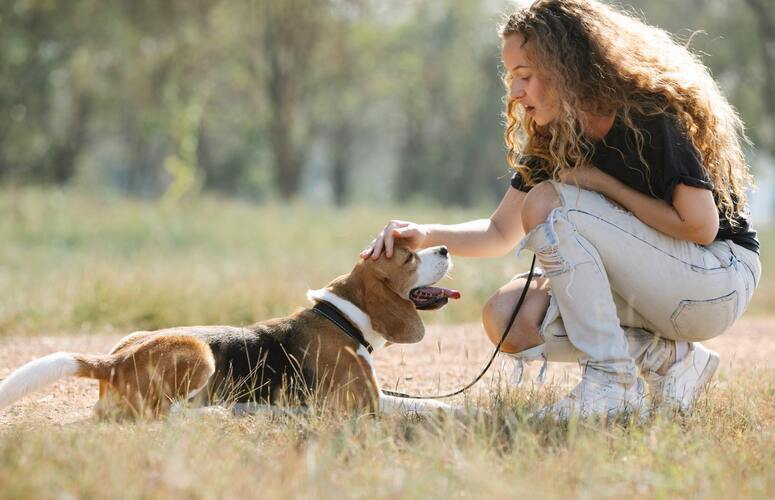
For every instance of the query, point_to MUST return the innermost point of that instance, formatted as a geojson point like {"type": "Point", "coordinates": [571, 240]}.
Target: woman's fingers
{"type": "Point", "coordinates": [376, 249]}
{"type": "Point", "coordinates": [367, 251]}
{"type": "Point", "coordinates": [390, 238]}
{"type": "Point", "coordinates": [390, 233]}
{"type": "Point", "coordinates": [385, 240]}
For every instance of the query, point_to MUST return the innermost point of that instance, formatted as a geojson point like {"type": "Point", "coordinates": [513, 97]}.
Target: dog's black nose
{"type": "Point", "coordinates": [443, 251]}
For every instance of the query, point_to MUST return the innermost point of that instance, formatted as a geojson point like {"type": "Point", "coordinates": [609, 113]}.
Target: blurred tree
{"type": "Point", "coordinates": [291, 32]}
{"type": "Point", "coordinates": [764, 12]}
{"type": "Point", "coordinates": [241, 97]}
{"type": "Point", "coordinates": [342, 94]}
{"type": "Point", "coordinates": [47, 89]}
{"type": "Point", "coordinates": [174, 88]}
{"type": "Point", "coordinates": [451, 100]}
{"type": "Point", "coordinates": [733, 42]}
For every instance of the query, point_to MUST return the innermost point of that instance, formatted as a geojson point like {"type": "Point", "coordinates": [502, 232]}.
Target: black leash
{"type": "Point", "coordinates": [494, 354]}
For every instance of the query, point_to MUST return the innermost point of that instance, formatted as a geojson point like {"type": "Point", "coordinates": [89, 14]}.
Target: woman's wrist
{"type": "Point", "coordinates": [430, 234]}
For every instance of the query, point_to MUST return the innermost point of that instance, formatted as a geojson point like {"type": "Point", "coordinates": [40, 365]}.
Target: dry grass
{"type": "Point", "coordinates": [724, 451]}
{"type": "Point", "coordinates": [77, 266]}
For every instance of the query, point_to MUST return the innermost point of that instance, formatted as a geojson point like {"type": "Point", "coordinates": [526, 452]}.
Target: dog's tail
{"type": "Point", "coordinates": [41, 372]}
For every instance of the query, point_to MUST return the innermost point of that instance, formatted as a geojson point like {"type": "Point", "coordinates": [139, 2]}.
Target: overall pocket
{"type": "Point", "coordinates": [696, 320]}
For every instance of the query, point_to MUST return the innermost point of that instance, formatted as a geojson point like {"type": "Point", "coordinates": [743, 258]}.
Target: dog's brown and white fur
{"type": "Point", "coordinates": [299, 359]}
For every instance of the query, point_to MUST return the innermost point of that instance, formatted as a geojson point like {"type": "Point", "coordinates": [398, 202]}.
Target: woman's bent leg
{"type": "Point", "coordinates": [580, 286]}
{"type": "Point", "coordinates": [581, 289]}
{"type": "Point", "coordinates": [684, 291]}
{"type": "Point", "coordinates": [539, 325]}
{"type": "Point", "coordinates": [524, 333]}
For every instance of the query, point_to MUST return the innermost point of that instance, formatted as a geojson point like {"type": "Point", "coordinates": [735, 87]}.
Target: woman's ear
{"type": "Point", "coordinates": [392, 316]}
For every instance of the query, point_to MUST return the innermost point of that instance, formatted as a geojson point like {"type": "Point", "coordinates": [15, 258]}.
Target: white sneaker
{"type": "Point", "coordinates": [686, 379]}
{"type": "Point", "coordinates": [597, 396]}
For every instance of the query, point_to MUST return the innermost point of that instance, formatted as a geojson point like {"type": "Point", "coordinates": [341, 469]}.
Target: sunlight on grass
{"type": "Point", "coordinates": [87, 263]}
{"type": "Point", "coordinates": [724, 451]}
{"type": "Point", "coordinates": [95, 263]}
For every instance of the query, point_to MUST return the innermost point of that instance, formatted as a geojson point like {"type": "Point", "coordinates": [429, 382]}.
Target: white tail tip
{"type": "Point", "coordinates": [36, 375]}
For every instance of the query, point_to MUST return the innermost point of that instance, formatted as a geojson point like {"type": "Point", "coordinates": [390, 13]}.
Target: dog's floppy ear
{"type": "Point", "coordinates": [393, 316]}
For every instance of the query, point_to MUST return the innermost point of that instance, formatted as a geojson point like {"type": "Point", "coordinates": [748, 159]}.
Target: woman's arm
{"type": "Point", "coordinates": [478, 238]}
{"type": "Point", "coordinates": [485, 237]}
{"type": "Point", "coordinates": [693, 216]}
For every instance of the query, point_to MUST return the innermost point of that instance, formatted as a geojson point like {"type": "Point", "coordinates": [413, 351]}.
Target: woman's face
{"type": "Point", "coordinates": [527, 86]}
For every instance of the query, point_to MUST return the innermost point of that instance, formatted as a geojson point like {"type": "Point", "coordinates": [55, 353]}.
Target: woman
{"type": "Point", "coordinates": [630, 188]}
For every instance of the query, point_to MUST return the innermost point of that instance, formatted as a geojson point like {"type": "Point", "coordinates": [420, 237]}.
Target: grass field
{"type": "Point", "coordinates": [90, 266]}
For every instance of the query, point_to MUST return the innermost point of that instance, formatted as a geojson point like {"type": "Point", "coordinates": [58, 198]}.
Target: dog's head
{"type": "Point", "coordinates": [390, 290]}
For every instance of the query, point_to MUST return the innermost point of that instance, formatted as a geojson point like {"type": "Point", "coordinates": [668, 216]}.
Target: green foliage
{"type": "Point", "coordinates": [342, 100]}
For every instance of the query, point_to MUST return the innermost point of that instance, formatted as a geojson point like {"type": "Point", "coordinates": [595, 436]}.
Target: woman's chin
{"type": "Point", "coordinates": [540, 121]}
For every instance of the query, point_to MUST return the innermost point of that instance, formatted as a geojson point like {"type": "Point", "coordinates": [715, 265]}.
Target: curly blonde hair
{"type": "Point", "coordinates": [602, 61]}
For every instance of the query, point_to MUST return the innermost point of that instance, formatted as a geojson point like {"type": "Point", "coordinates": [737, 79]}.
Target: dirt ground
{"type": "Point", "coordinates": [448, 357]}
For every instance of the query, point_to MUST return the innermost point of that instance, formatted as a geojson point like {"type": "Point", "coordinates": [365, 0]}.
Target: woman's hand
{"type": "Point", "coordinates": [692, 216]}
{"type": "Point", "coordinates": [586, 177]}
{"type": "Point", "coordinates": [413, 235]}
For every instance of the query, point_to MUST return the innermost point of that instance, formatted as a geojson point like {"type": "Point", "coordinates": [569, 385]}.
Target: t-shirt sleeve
{"type": "Point", "coordinates": [517, 182]}
{"type": "Point", "coordinates": [682, 164]}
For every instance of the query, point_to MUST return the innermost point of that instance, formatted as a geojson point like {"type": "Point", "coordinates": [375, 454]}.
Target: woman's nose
{"type": "Point", "coordinates": [517, 91]}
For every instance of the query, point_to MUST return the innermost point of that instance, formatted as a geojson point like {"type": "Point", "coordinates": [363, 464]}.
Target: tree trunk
{"type": "Point", "coordinates": [287, 160]}
{"type": "Point", "coordinates": [412, 160]}
{"type": "Point", "coordinates": [342, 148]}
{"type": "Point", "coordinates": [288, 42]}
{"type": "Point", "coordinates": [65, 156]}
{"type": "Point", "coordinates": [765, 18]}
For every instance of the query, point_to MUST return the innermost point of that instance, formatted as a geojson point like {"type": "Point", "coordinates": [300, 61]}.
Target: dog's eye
{"type": "Point", "coordinates": [409, 258]}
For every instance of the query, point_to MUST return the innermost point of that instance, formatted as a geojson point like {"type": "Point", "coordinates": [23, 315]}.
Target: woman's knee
{"type": "Point", "coordinates": [524, 332]}
{"type": "Point", "coordinates": [539, 203]}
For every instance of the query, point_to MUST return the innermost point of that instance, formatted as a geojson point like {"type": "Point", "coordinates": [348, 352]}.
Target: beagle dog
{"type": "Point", "coordinates": [321, 354]}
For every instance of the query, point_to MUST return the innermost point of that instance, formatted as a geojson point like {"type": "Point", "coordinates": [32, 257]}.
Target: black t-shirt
{"type": "Point", "coordinates": [672, 160]}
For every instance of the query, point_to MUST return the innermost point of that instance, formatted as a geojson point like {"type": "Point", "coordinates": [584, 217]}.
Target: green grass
{"type": "Point", "coordinates": [89, 263]}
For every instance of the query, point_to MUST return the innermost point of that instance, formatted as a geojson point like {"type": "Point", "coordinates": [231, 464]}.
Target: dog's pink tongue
{"type": "Point", "coordinates": [452, 294]}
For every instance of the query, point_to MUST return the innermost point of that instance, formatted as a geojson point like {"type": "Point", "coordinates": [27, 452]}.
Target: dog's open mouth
{"type": "Point", "coordinates": [432, 297]}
